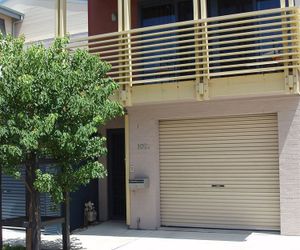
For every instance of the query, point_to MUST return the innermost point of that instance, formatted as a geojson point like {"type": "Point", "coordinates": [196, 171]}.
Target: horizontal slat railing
{"type": "Point", "coordinates": [246, 43]}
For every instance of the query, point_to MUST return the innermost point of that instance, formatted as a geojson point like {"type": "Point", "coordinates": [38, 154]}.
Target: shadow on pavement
{"type": "Point", "coordinates": [49, 244]}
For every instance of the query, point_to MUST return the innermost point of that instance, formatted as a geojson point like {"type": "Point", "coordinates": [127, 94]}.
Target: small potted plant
{"type": "Point", "coordinates": [90, 212]}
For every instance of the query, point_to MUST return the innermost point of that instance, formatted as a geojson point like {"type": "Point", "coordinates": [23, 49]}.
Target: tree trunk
{"type": "Point", "coordinates": [33, 231]}
{"type": "Point", "coordinates": [66, 224]}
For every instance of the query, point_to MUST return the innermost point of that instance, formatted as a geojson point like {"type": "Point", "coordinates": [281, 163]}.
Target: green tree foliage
{"type": "Point", "coordinates": [52, 103]}
{"type": "Point", "coordinates": [9, 247]}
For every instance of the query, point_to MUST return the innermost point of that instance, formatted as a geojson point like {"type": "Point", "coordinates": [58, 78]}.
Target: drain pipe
{"type": "Point", "coordinates": [138, 222]}
{"type": "Point", "coordinates": [127, 169]}
{"type": "Point", "coordinates": [13, 24]}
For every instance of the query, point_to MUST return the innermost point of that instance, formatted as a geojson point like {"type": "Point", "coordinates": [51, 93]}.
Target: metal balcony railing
{"type": "Point", "coordinates": [248, 43]}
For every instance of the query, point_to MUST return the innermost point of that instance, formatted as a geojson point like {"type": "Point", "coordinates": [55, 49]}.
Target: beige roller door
{"type": "Point", "coordinates": [220, 172]}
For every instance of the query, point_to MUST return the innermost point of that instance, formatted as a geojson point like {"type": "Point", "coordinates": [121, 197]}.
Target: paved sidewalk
{"type": "Point", "coordinates": [115, 235]}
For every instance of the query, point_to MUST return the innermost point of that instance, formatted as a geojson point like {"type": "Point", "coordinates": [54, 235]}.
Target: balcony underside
{"type": "Point", "coordinates": [271, 84]}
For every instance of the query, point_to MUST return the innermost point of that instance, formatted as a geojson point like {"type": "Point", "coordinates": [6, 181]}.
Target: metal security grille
{"type": "Point", "coordinates": [13, 197]}
{"type": "Point", "coordinates": [14, 200]}
{"type": "Point", "coordinates": [220, 172]}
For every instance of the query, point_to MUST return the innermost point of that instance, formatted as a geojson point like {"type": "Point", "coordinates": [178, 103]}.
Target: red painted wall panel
{"type": "Point", "coordinates": [100, 16]}
{"type": "Point", "coordinates": [134, 14]}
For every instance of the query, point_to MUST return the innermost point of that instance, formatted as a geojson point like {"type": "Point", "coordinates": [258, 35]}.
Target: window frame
{"type": "Point", "coordinates": [3, 27]}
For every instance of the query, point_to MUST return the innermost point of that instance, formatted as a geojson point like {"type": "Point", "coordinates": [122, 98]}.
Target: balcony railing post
{"type": "Point", "coordinates": [296, 52]}
{"type": "Point", "coordinates": [61, 18]}
{"type": "Point", "coordinates": [198, 81]}
{"type": "Point", "coordinates": [120, 16]}
{"type": "Point", "coordinates": [290, 72]}
{"type": "Point", "coordinates": [205, 47]}
{"type": "Point", "coordinates": [127, 27]}
{"type": "Point", "coordinates": [124, 24]}
{"type": "Point", "coordinates": [121, 57]}
{"type": "Point", "coordinates": [286, 70]}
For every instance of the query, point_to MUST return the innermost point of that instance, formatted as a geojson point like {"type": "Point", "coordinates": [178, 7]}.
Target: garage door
{"type": "Point", "coordinates": [220, 172]}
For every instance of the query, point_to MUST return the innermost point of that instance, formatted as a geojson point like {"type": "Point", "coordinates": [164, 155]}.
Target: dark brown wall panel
{"type": "Point", "coordinates": [100, 16]}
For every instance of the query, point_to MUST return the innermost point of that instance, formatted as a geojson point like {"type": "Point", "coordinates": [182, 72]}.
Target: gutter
{"type": "Point", "coordinates": [11, 13]}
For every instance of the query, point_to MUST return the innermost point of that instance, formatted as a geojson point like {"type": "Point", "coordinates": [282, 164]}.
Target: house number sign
{"type": "Point", "coordinates": [143, 146]}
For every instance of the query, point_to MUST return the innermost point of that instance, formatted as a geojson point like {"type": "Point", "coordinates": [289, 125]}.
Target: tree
{"type": "Point", "coordinates": [52, 103]}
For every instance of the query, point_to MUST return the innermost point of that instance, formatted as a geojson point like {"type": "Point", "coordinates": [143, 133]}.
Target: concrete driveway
{"type": "Point", "coordinates": [115, 235]}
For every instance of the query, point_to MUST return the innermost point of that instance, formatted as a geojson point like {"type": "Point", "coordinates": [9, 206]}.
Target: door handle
{"type": "Point", "coordinates": [217, 186]}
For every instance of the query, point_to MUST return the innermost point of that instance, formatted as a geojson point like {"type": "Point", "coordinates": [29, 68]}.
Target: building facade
{"type": "Point", "coordinates": [8, 19]}
{"type": "Point", "coordinates": [211, 91]}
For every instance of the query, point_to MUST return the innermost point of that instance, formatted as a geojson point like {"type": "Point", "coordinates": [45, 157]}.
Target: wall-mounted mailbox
{"type": "Point", "coordinates": [139, 183]}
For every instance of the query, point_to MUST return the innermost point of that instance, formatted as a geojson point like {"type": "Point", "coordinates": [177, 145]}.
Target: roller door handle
{"type": "Point", "coordinates": [217, 186]}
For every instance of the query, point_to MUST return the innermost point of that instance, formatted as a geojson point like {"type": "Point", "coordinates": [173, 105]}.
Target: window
{"type": "Point", "coordinates": [156, 15]}
{"type": "Point", "coordinates": [152, 13]}
{"type": "Point", "coordinates": [267, 4]}
{"type": "Point", "coordinates": [2, 26]}
{"type": "Point", "coordinates": [160, 13]}
{"type": "Point", "coordinates": [227, 7]}
{"type": "Point", "coordinates": [258, 48]}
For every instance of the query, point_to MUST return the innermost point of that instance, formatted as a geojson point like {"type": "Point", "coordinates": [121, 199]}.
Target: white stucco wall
{"type": "Point", "coordinates": [145, 204]}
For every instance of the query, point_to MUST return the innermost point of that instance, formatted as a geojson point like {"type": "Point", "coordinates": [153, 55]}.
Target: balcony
{"type": "Point", "coordinates": [233, 55]}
